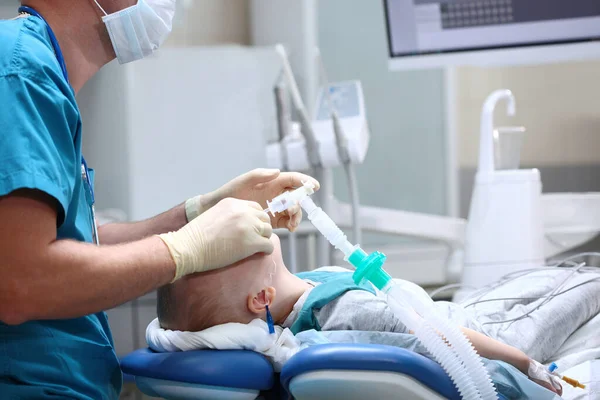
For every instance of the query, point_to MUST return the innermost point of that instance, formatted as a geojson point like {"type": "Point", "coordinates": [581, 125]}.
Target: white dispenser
{"type": "Point", "coordinates": [505, 229]}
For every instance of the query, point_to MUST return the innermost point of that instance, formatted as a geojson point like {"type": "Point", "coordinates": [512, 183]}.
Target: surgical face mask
{"type": "Point", "coordinates": [137, 31]}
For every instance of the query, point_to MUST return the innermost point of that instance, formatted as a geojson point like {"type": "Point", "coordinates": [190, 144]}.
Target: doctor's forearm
{"type": "Point", "coordinates": [168, 221]}
{"type": "Point", "coordinates": [72, 279]}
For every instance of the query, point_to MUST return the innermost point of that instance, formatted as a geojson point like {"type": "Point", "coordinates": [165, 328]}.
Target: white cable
{"type": "Point", "coordinates": [536, 307]}
{"type": "Point", "coordinates": [555, 293]}
{"type": "Point", "coordinates": [575, 256]}
{"type": "Point", "coordinates": [287, 70]}
{"type": "Point", "coordinates": [532, 298]}
{"type": "Point", "coordinates": [100, 7]}
{"type": "Point", "coordinates": [512, 277]}
{"type": "Point", "coordinates": [448, 287]}
{"type": "Point", "coordinates": [550, 296]}
{"type": "Point", "coordinates": [578, 267]}
{"type": "Point", "coordinates": [354, 197]}
{"type": "Point", "coordinates": [307, 131]}
{"type": "Point", "coordinates": [342, 144]}
{"type": "Point", "coordinates": [503, 280]}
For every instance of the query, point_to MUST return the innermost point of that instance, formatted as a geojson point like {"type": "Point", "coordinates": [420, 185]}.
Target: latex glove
{"type": "Point", "coordinates": [228, 232]}
{"type": "Point", "coordinates": [259, 185]}
{"type": "Point", "coordinates": [542, 376]}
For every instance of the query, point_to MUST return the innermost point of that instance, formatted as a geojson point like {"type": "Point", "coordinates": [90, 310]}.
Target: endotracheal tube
{"type": "Point", "coordinates": [409, 302]}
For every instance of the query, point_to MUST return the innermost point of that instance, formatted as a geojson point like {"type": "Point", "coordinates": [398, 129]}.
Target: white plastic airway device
{"type": "Point", "coordinates": [288, 199]}
{"type": "Point", "coordinates": [505, 227]}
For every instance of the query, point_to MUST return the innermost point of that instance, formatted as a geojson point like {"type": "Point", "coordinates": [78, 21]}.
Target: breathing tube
{"type": "Point", "coordinates": [442, 339]}
{"type": "Point", "coordinates": [412, 306]}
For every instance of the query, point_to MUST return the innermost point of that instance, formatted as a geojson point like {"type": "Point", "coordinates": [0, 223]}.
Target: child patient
{"type": "Point", "coordinates": [317, 300]}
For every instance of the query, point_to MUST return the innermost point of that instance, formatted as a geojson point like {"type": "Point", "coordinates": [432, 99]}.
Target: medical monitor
{"type": "Point", "coordinates": [438, 33]}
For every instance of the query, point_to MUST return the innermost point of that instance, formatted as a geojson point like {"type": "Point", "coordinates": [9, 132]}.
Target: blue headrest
{"type": "Point", "coordinates": [366, 357]}
{"type": "Point", "coordinates": [228, 368]}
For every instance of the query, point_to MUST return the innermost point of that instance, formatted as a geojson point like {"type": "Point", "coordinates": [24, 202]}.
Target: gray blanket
{"type": "Point", "coordinates": [563, 329]}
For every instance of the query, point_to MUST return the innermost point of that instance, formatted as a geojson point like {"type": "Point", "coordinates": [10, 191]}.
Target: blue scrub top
{"type": "Point", "coordinates": [40, 148]}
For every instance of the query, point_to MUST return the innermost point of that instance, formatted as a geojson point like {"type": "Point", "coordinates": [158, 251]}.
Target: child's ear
{"type": "Point", "coordinates": [258, 302]}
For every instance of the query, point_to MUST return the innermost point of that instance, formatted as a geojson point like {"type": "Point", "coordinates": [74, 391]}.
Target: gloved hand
{"type": "Point", "coordinates": [228, 232]}
{"type": "Point", "coordinates": [259, 185]}
{"type": "Point", "coordinates": [542, 376]}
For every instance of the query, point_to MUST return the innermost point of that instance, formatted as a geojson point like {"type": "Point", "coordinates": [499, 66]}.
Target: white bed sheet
{"type": "Point", "coordinates": [565, 330]}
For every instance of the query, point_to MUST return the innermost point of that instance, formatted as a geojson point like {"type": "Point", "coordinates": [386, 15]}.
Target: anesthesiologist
{"type": "Point", "coordinates": [57, 271]}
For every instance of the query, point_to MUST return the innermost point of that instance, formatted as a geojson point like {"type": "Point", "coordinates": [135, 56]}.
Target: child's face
{"type": "Point", "coordinates": [258, 274]}
{"type": "Point", "coordinates": [255, 270]}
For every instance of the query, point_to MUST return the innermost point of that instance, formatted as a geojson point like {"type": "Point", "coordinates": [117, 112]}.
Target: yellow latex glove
{"type": "Point", "coordinates": [258, 185]}
{"type": "Point", "coordinates": [226, 233]}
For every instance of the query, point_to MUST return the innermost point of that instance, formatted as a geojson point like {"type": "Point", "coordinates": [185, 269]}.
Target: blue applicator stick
{"type": "Point", "coordinates": [270, 321]}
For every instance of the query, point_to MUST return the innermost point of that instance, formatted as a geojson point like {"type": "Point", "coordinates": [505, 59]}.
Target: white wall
{"type": "Point", "coordinates": [406, 158]}
{"type": "Point", "coordinates": [206, 22]}
{"type": "Point", "coordinates": [292, 23]}
{"type": "Point", "coordinates": [209, 22]}
{"type": "Point", "coordinates": [8, 8]}
{"type": "Point", "coordinates": [558, 104]}
{"type": "Point", "coordinates": [405, 167]}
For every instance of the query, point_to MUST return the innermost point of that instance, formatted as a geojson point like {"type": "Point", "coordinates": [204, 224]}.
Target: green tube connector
{"type": "Point", "coordinates": [369, 267]}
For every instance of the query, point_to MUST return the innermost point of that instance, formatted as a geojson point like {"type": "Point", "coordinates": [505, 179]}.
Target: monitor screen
{"type": "Point", "coordinates": [434, 27]}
